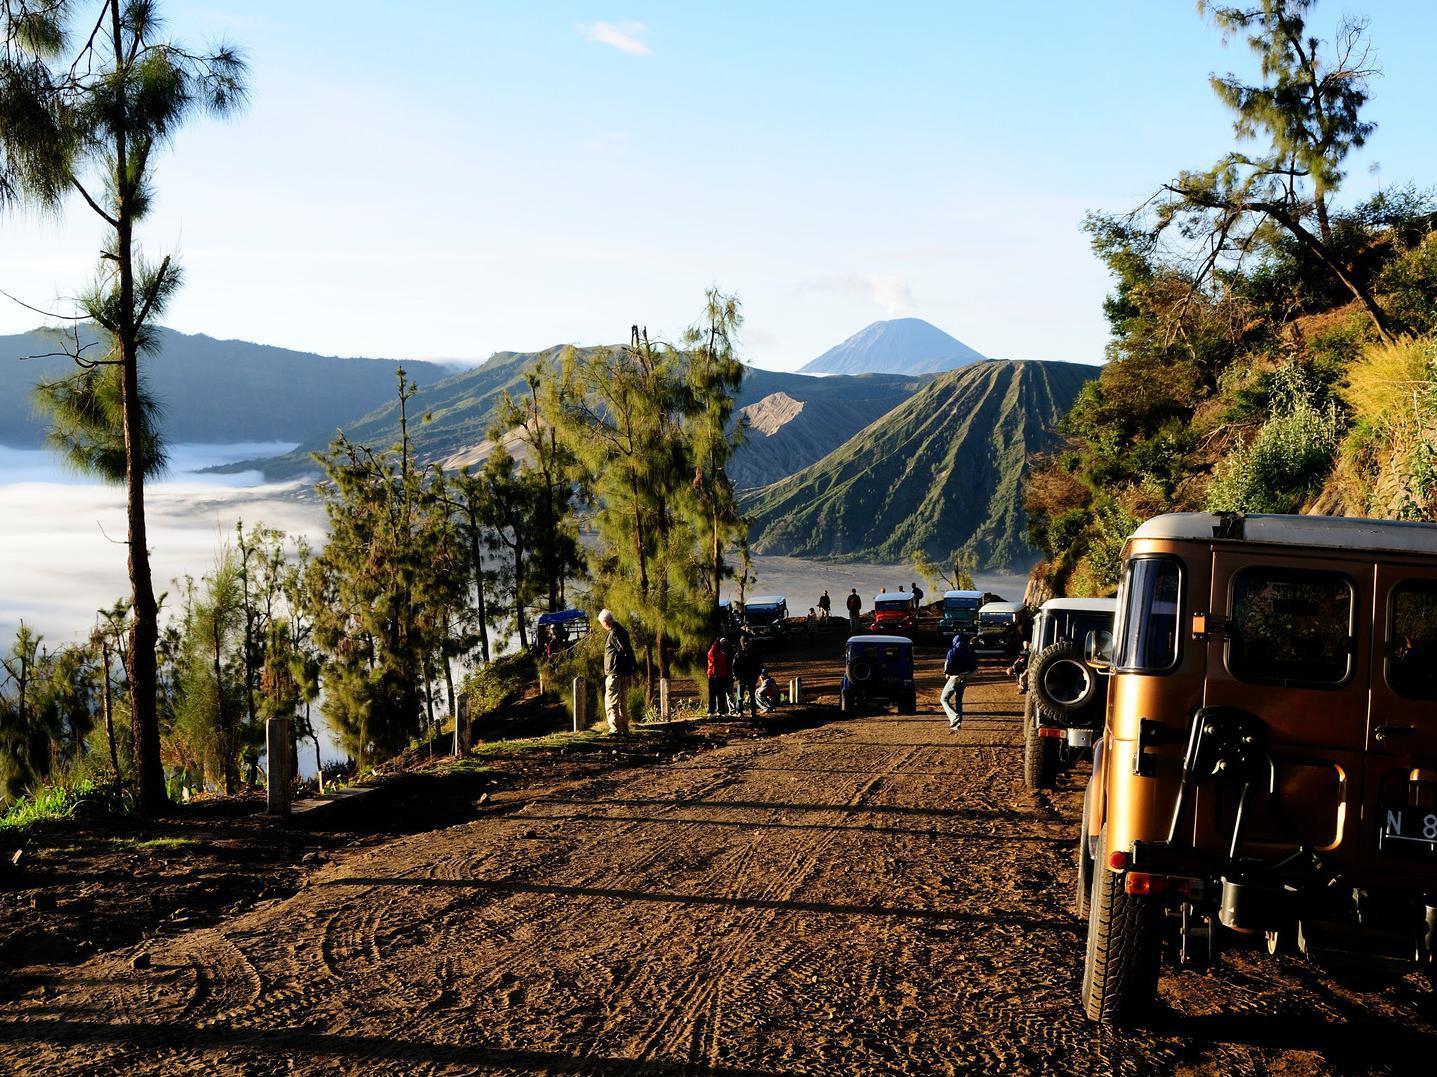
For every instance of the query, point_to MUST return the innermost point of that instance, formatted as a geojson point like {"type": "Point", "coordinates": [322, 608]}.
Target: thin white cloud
{"type": "Point", "coordinates": [890, 292]}
{"type": "Point", "coordinates": [624, 36]}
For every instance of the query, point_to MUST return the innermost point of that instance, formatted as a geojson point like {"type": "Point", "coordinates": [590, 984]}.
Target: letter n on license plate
{"type": "Point", "coordinates": [1410, 832]}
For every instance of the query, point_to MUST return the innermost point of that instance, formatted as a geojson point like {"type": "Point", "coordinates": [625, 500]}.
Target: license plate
{"type": "Point", "coordinates": [1409, 832]}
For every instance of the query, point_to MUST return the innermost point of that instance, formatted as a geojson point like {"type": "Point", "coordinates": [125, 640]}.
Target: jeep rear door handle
{"type": "Point", "coordinates": [1386, 732]}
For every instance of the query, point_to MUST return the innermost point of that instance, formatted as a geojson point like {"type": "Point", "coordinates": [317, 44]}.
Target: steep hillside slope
{"type": "Point", "coordinates": [897, 346]}
{"type": "Point", "coordinates": [455, 411]}
{"type": "Point", "coordinates": [795, 419]}
{"type": "Point", "coordinates": [941, 472]}
{"type": "Point", "coordinates": [821, 413]}
{"type": "Point", "coordinates": [215, 390]}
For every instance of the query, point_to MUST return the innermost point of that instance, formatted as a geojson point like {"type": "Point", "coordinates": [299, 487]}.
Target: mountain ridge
{"type": "Point", "coordinates": [212, 390]}
{"type": "Point", "coordinates": [460, 408]}
{"type": "Point", "coordinates": [940, 472]}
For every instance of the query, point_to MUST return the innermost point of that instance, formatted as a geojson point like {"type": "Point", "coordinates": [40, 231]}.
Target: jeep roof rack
{"type": "Point", "coordinates": [1331, 532]}
{"type": "Point", "coordinates": [1098, 605]}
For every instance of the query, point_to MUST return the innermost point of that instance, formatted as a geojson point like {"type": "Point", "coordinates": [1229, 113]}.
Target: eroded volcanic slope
{"type": "Point", "coordinates": [940, 472]}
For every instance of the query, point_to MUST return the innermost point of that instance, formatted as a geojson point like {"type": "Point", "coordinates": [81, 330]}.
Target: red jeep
{"type": "Point", "coordinates": [895, 612]}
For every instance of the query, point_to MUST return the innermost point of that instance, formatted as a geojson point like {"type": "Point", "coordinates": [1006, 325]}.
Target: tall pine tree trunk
{"type": "Point", "coordinates": [144, 629]}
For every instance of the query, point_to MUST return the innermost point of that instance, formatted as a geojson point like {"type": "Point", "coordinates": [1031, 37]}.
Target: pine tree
{"type": "Point", "coordinates": [714, 376]}
{"type": "Point", "coordinates": [1305, 118]}
{"type": "Point", "coordinates": [390, 577]}
{"type": "Point", "coordinates": [26, 736]}
{"type": "Point", "coordinates": [93, 98]}
{"type": "Point", "coordinates": [211, 720]}
{"type": "Point", "coordinates": [549, 468]}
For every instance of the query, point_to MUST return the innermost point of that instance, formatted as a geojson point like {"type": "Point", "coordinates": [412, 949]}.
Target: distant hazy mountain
{"type": "Point", "coordinates": [818, 415]}
{"type": "Point", "coordinates": [216, 390]}
{"type": "Point", "coordinates": [939, 472]}
{"type": "Point", "coordinates": [899, 346]}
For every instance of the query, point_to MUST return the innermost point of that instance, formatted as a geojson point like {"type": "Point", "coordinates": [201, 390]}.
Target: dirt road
{"type": "Point", "coordinates": [874, 895]}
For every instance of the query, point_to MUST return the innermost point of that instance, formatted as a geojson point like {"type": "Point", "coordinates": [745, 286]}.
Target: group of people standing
{"type": "Point", "coordinates": [729, 667]}
{"type": "Point", "coordinates": [740, 667]}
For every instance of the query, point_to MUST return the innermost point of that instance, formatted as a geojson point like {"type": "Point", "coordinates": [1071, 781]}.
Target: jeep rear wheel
{"type": "Point", "coordinates": [1063, 681]}
{"type": "Point", "coordinates": [1040, 754]}
{"type": "Point", "coordinates": [909, 703]}
{"type": "Point", "coordinates": [1120, 973]}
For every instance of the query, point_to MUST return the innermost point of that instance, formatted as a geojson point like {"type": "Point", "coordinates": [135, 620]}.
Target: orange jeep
{"type": "Point", "coordinates": [1268, 768]}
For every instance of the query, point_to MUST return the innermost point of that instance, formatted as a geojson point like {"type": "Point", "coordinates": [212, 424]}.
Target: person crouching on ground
{"type": "Point", "coordinates": [745, 672]}
{"type": "Point", "coordinates": [619, 666]}
{"type": "Point", "coordinates": [768, 693]}
{"type": "Point", "coordinates": [718, 673]}
{"type": "Point", "coordinates": [958, 666]}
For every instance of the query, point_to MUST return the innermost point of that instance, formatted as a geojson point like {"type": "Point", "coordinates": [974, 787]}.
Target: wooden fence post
{"type": "Point", "coordinates": [581, 704]}
{"type": "Point", "coordinates": [664, 698]}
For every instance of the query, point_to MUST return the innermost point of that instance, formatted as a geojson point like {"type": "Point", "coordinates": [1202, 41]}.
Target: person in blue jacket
{"type": "Point", "coordinates": [958, 666]}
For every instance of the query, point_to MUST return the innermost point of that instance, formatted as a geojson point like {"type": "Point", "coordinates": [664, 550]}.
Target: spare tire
{"type": "Point", "coordinates": [1061, 681]}
{"type": "Point", "coordinates": [859, 670]}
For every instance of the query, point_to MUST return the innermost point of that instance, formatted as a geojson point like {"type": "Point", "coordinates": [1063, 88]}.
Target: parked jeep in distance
{"type": "Point", "coordinates": [764, 617]}
{"type": "Point", "coordinates": [895, 611]}
{"type": "Point", "coordinates": [1067, 684]}
{"type": "Point", "coordinates": [1002, 628]}
{"type": "Point", "coordinates": [878, 669]}
{"type": "Point", "coordinates": [1269, 762]}
{"type": "Point", "coordinates": [958, 612]}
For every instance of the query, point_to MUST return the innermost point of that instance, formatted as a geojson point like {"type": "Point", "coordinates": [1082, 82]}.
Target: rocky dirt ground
{"type": "Point", "coordinates": [872, 895]}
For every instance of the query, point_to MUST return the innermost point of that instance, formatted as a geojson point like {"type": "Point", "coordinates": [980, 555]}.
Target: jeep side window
{"type": "Point", "coordinates": [1148, 640]}
{"type": "Point", "coordinates": [1290, 626]}
{"type": "Point", "coordinates": [1412, 657]}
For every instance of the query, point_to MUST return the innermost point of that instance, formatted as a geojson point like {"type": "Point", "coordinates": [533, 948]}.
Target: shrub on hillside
{"type": "Point", "coordinates": [1409, 285]}
{"type": "Point", "coordinates": [1280, 469]}
{"type": "Point", "coordinates": [1388, 461]}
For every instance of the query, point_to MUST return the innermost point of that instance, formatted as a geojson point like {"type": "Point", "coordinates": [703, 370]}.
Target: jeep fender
{"type": "Point", "coordinates": [1094, 800]}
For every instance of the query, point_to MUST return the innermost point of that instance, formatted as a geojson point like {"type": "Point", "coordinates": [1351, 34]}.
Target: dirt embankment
{"type": "Point", "coordinates": [875, 895]}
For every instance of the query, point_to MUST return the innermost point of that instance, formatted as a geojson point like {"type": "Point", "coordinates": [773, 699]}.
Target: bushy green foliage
{"type": "Point", "coordinates": [1282, 468]}
{"type": "Point", "coordinates": [1409, 284]}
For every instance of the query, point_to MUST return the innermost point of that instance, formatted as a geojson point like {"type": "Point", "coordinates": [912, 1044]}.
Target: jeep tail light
{"type": "Point", "coordinates": [1140, 883]}
{"type": "Point", "coordinates": [1118, 860]}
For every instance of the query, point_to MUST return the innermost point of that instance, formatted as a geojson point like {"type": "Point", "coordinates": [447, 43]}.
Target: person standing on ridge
{"type": "Point", "coordinates": [825, 605]}
{"type": "Point", "coordinates": [960, 664]}
{"type": "Point", "coordinates": [619, 666]}
{"type": "Point", "coordinates": [745, 672]}
{"type": "Point", "coordinates": [718, 674]}
{"type": "Point", "coordinates": [855, 607]}
{"type": "Point", "coordinates": [917, 595]}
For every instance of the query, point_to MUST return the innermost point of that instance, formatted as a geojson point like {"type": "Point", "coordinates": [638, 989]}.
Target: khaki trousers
{"type": "Point", "coordinates": [616, 690]}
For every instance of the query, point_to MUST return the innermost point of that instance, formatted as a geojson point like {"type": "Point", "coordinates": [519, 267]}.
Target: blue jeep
{"type": "Point", "coordinates": [878, 669]}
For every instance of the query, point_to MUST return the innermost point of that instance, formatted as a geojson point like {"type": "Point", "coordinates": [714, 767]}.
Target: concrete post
{"type": "Point", "coordinates": [795, 690]}
{"type": "Point", "coordinates": [278, 765]}
{"type": "Point", "coordinates": [581, 704]}
{"type": "Point", "coordinates": [664, 698]}
{"type": "Point", "coordinates": [461, 726]}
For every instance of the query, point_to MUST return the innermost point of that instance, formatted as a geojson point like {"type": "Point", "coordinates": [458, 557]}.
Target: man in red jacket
{"type": "Point", "coordinates": [719, 671]}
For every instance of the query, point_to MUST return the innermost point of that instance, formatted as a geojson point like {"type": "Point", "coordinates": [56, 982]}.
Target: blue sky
{"type": "Point", "coordinates": [445, 179]}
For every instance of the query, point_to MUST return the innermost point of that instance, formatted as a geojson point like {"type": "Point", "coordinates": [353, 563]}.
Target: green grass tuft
{"type": "Point", "coordinates": [49, 802]}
